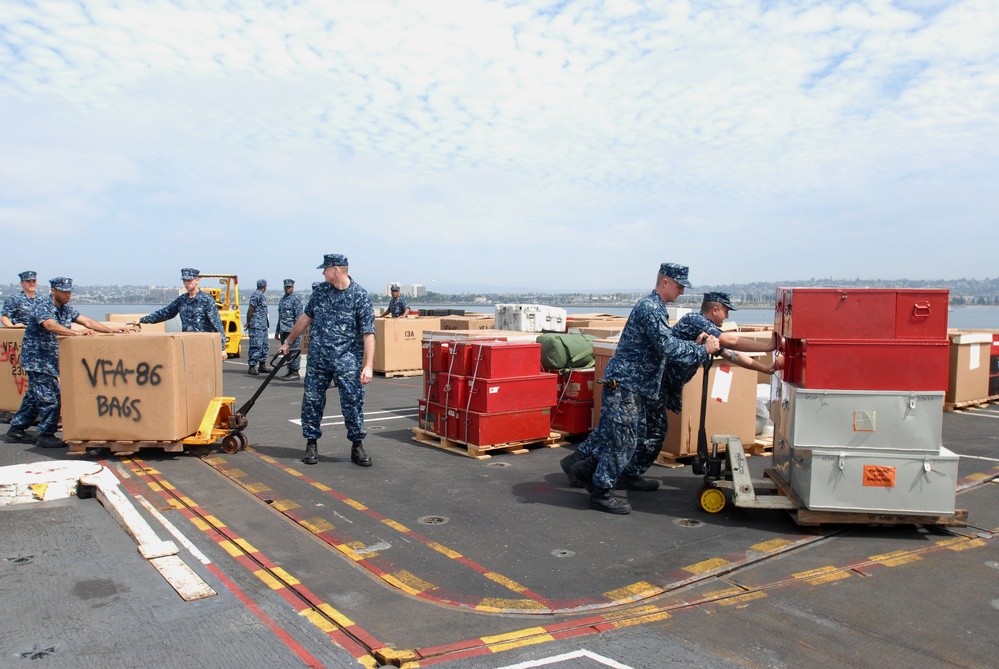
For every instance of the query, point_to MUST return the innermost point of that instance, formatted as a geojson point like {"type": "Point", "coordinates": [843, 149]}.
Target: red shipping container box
{"type": "Point", "coordinates": [864, 313]}
{"type": "Point", "coordinates": [513, 394]}
{"type": "Point", "coordinates": [489, 429]}
{"type": "Point", "coordinates": [573, 417]}
{"type": "Point", "coordinates": [431, 417]}
{"type": "Point", "coordinates": [497, 359]}
{"type": "Point", "coordinates": [577, 385]}
{"type": "Point", "coordinates": [841, 364]}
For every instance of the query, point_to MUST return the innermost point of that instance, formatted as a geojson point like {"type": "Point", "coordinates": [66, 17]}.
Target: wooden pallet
{"type": "Point", "coordinates": [957, 406]}
{"type": "Point", "coordinates": [125, 447]}
{"type": "Point", "coordinates": [400, 372]}
{"type": "Point", "coordinates": [553, 440]}
{"type": "Point", "coordinates": [762, 446]}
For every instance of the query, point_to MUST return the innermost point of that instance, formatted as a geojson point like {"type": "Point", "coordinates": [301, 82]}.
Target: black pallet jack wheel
{"type": "Point", "coordinates": [711, 499]}
{"type": "Point", "coordinates": [243, 441]}
{"type": "Point", "coordinates": [230, 444]}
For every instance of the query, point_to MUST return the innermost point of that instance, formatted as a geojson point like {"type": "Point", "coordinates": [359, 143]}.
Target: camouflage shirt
{"type": "Point", "coordinates": [688, 328]}
{"type": "Point", "coordinates": [40, 348]}
{"type": "Point", "coordinates": [197, 314]}
{"type": "Point", "coordinates": [648, 349]}
{"type": "Point", "coordinates": [259, 319]}
{"type": "Point", "coordinates": [289, 309]}
{"type": "Point", "coordinates": [340, 318]}
{"type": "Point", "coordinates": [397, 307]}
{"type": "Point", "coordinates": [18, 308]}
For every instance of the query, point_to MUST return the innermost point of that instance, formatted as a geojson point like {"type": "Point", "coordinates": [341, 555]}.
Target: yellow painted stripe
{"type": "Point", "coordinates": [638, 610]}
{"type": "Point", "coordinates": [743, 598]}
{"type": "Point", "coordinates": [633, 591]}
{"type": "Point", "coordinates": [174, 504]}
{"type": "Point", "coordinates": [511, 636]}
{"type": "Point", "coordinates": [294, 472]}
{"type": "Point", "coordinates": [167, 485]}
{"type": "Point", "coordinates": [372, 663]}
{"type": "Point", "coordinates": [822, 575]}
{"type": "Point", "coordinates": [320, 486]}
{"type": "Point", "coordinates": [445, 550]}
{"type": "Point", "coordinates": [502, 647]}
{"type": "Point", "coordinates": [979, 476]}
{"type": "Point", "coordinates": [245, 545]}
{"type": "Point", "coordinates": [200, 524]}
{"type": "Point", "coordinates": [256, 488]}
{"type": "Point", "coordinates": [230, 548]}
{"type": "Point", "coordinates": [395, 526]}
{"type": "Point", "coordinates": [187, 500]}
{"type": "Point", "coordinates": [895, 558]}
{"type": "Point", "coordinates": [151, 471]}
{"type": "Point", "coordinates": [707, 565]}
{"type": "Point", "coordinates": [213, 461]}
{"type": "Point", "coordinates": [409, 582]}
{"type": "Point", "coordinates": [268, 579]}
{"type": "Point", "coordinates": [284, 576]}
{"type": "Point", "coordinates": [235, 473]}
{"type": "Point", "coordinates": [970, 543]}
{"type": "Point", "coordinates": [338, 618]}
{"type": "Point", "coordinates": [771, 546]}
{"type": "Point", "coordinates": [154, 486]}
{"type": "Point", "coordinates": [354, 503]}
{"type": "Point", "coordinates": [267, 458]}
{"type": "Point", "coordinates": [212, 520]}
{"type": "Point", "coordinates": [641, 620]}
{"type": "Point", "coordinates": [505, 582]}
{"type": "Point", "coordinates": [317, 525]}
{"type": "Point", "coordinates": [285, 504]}
{"type": "Point", "coordinates": [497, 605]}
{"type": "Point", "coordinates": [319, 621]}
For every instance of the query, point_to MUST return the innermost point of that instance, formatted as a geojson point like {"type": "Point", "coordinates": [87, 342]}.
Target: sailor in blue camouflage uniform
{"type": "Point", "coordinates": [40, 359]}
{"type": "Point", "coordinates": [398, 307]}
{"type": "Point", "coordinates": [341, 349]}
{"type": "Point", "coordinates": [693, 327]}
{"type": "Point", "coordinates": [258, 323]}
{"type": "Point", "coordinates": [17, 308]}
{"type": "Point", "coordinates": [289, 309]}
{"type": "Point", "coordinates": [631, 388]}
{"type": "Point", "coordinates": [196, 309]}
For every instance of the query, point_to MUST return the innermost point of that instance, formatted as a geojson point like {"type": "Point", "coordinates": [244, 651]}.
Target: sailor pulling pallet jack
{"type": "Point", "coordinates": [630, 447]}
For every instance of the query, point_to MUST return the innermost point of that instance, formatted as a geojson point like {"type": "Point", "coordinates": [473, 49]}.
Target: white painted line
{"type": "Point", "coordinates": [172, 529]}
{"type": "Point", "coordinates": [395, 416]}
{"type": "Point", "coordinates": [600, 659]}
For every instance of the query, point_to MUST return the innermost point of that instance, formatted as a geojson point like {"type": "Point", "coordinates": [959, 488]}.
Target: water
{"type": "Point", "coordinates": [963, 318]}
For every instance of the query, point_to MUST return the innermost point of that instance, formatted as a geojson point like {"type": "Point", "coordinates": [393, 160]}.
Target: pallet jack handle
{"type": "Point", "coordinates": [275, 366]}
{"type": "Point", "coordinates": [700, 464]}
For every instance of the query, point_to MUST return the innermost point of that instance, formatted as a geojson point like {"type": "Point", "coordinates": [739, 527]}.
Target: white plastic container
{"type": "Point", "coordinates": [530, 318]}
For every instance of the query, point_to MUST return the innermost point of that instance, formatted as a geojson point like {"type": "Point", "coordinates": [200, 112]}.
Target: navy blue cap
{"type": "Point", "coordinates": [289, 282]}
{"type": "Point", "coordinates": [676, 272]}
{"type": "Point", "coordinates": [27, 276]}
{"type": "Point", "coordinates": [62, 283]}
{"type": "Point", "coordinates": [261, 283]}
{"type": "Point", "coordinates": [720, 298]}
{"type": "Point", "coordinates": [333, 260]}
{"type": "Point", "coordinates": [395, 286]}
{"type": "Point", "coordinates": [189, 273]}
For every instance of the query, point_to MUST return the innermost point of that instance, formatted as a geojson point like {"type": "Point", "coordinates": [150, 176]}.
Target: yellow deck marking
{"type": "Point", "coordinates": [154, 486]}
{"type": "Point", "coordinates": [822, 575]}
{"type": "Point", "coordinates": [960, 543]}
{"type": "Point", "coordinates": [338, 618]}
{"type": "Point", "coordinates": [267, 458]}
{"type": "Point", "coordinates": [504, 581]}
{"type": "Point", "coordinates": [638, 610]}
{"type": "Point", "coordinates": [354, 503]}
{"type": "Point", "coordinates": [741, 599]}
{"type": "Point", "coordinates": [285, 576]}
{"type": "Point", "coordinates": [235, 473]}
{"type": "Point", "coordinates": [707, 565]}
{"type": "Point", "coordinates": [214, 461]}
{"type": "Point", "coordinates": [230, 548]}
{"type": "Point", "coordinates": [641, 620]}
{"type": "Point", "coordinates": [396, 526]}
{"type": "Point", "coordinates": [350, 550]}
{"type": "Point", "coordinates": [633, 591]}
{"type": "Point", "coordinates": [167, 485]}
{"type": "Point", "coordinates": [319, 621]}
{"type": "Point", "coordinates": [319, 486]}
{"type": "Point", "coordinates": [513, 636]}
{"type": "Point", "coordinates": [497, 605]}
{"type": "Point", "coordinates": [895, 558]}
{"type": "Point", "coordinates": [408, 582]}
{"type": "Point", "coordinates": [979, 476]}
{"type": "Point", "coordinates": [213, 521]}
{"type": "Point", "coordinates": [256, 488]}
{"type": "Point", "coordinates": [201, 525]}
{"type": "Point", "coordinates": [285, 504]}
{"type": "Point", "coordinates": [245, 545]}
{"type": "Point", "coordinates": [294, 472]}
{"type": "Point", "coordinates": [771, 546]}
{"type": "Point", "coordinates": [317, 525]}
{"type": "Point", "coordinates": [268, 579]}
{"type": "Point", "coordinates": [445, 550]}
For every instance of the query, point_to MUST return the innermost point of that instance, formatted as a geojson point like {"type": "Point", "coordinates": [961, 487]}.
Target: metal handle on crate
{"type": "Point", "coordinates": [921, 309]}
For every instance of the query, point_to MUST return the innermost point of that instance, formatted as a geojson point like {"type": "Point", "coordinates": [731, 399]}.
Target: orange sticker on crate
{"type": "Point", "coordinates": [879, 476]}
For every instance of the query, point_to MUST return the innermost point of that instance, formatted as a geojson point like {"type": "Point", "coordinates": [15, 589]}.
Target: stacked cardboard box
{"type": "Point", "coordinates": [857, 407]}
{"type": "Point", "coordinates": [398, 342]}
{"type": "Point", "coordinates": [485, 392]}
{"type": "Point", "coordinates": [13, 379]}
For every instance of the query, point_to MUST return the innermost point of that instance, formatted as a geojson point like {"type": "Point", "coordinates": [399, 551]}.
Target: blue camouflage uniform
{"type": "Point", "coordinates": [258, 326]}
{"type": "Point", "coordinates": [397, 306]}
{"type": "Point", "coordinates": [630, 398]}
{"type": "Point", "coordinates": [289, 309]}
{"type": "Point", "coordinates": [197, 314]}
{"type": "Point", "coordinates": [18, 308]}
{"type": "Point", "coordinates": [340, 319]}
{"type": "Point", "coordinates": [40, 360]}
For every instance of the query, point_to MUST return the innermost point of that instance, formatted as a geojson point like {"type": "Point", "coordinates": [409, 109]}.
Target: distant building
{"type": "Point", "coordinates": [406, 289]}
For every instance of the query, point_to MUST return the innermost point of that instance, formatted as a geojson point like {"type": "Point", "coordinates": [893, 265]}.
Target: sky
{"type": "Point", "coordinates": [480, 145]}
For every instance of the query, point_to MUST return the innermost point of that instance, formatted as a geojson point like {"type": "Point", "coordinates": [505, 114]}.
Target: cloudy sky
{"type": "Point", "coordinates": [464, 144]}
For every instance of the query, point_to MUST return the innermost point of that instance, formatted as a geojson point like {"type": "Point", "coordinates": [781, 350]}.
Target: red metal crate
{"type": "Point", "coordinates": [513, 394]}
{"type": "Point", "coordinates": [841, 364]}
{"type": "Point", "coordinates": [863, 313]}
{"type": "Point", "coordinates": [497, 359]}
{"type": "Point", "coordinates": [576, 385]}
{"type": "Point", "coordinates": [431, 417]}
{"type": "Point", "coordinates": [489, 429]}
{"type": "Point", "coordinates": [573, 417]}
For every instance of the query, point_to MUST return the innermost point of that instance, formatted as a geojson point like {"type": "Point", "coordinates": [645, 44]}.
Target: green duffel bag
{"type": "Point", "coordinates": [565, 351]}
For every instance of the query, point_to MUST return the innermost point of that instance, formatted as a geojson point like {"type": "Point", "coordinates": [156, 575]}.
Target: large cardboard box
{"type": "Point", "coordinates": [468, 322]}
{"type": "Point", "coordinates": [154, 387]}
{"type": "Point", "coordinates": [134, 318]}
{"type": "Point", "coordinates": [969, 367]}
{"type": "Point", "coordinates": [13, 379]}
{"type": "Point", "coordinates": [398, 342]}
{"type": "Point", "coordinates": [603, 351]}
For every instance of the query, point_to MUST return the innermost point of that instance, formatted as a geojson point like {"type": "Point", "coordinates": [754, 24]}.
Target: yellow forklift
{"type": "Point", "coordinates": [226, 296]}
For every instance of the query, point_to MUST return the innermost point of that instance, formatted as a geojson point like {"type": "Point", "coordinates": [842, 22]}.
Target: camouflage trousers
{"type": "Point", "coordinates": [41, 401]}
{"type": "Point", "coordinates": [258, 346]}
{"type": "Point", "coordinates": [651, 444]}
{"type": "Point", "coordinates": [317, 382]}
{"type": "Point", "coordinates": [295, 345]}
{"type": "Point", "coordinates": [621, 428]}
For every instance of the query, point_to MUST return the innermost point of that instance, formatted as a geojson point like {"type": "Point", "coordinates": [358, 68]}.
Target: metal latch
{"type": "Point", "coordinates": [841, 461]}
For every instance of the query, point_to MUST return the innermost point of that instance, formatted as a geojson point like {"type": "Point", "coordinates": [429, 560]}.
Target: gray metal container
{"type": "Point", "coordinates": [781, 463]}
{"type": "Point", "coordinates": [868, 419]}
{"type": "Point", "coordinates": [878, 481]}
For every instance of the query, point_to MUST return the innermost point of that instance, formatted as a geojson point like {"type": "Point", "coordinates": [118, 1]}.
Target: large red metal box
{"type": "Point", "coordinates": [431, 417]}
{"type": "Point", "coordinates": [851, 364]}
{"type": "Point", "coordinates": [496, 359]}
{"type": "Point", "coordinates": [863, 313]}
{"type": "Point", "coordinates": [576, 385]}
{"type": "Point", "coordinates": [489, 429]}
{"type": "Point", "coordinates": [513, 394]}
{"type": "Point", "coordinates": [573, 417]}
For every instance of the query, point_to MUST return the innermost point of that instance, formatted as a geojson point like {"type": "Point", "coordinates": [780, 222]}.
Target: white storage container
{"type": "Point", "coordinates": [828, 479]}
{"type": "Point", "coordinates": [868, 419]}
{"type": "Point", "coordinates": [530, 318]}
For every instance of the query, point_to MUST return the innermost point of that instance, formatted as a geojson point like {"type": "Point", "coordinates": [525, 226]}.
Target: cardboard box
{"type": "Point", "coordinates": [134, 318]}
{"type": "Point", "coordinates": [603, 351]}
{"type": "Point", "coordinates": [600, 333]}
{"type": "Point", "coordinates": [468, 322]}
{"type": "Point", "coordinates": [398, 342]}
{"type": "Point", "coordinates": [968, 380]}
{"type": "Point", "coordinates": [155, 387]}
{"type": "Point", "coordinates": [13, 379]}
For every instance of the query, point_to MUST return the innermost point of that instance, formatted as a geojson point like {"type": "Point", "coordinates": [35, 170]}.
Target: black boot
{"type": "Point", "coordinates": [264, 369]}
{"type": "Point", "coordinates": [583, 471]}
{"type": "Point", "coordinates": [252, 371]}
{"type": "Point", "coordinates": [291, 375]}
{"type": "Point", "coordinates": [627, 482]}
{"type": "Point", "coordinates": [567, 462]}
{"type": "Point", "coordinates": [311, 452]}
{"type": "Point", "coordinates": [358, 456]}
{"type": "Point", "coordinates": [16, 435]}
{"type": "Point", "coordinates": [601, 499]}
{"type": "Point", "coordinates": [50, 441]}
